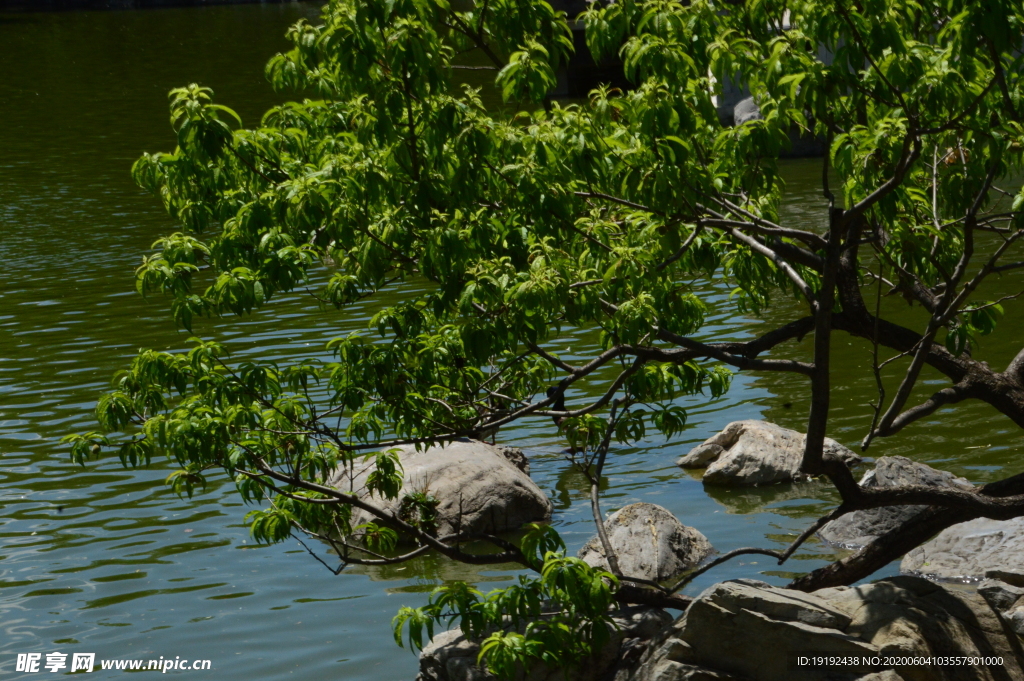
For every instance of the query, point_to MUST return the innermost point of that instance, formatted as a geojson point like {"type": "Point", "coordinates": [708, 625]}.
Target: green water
{"type": "Point", "coordinates": [106, 560]}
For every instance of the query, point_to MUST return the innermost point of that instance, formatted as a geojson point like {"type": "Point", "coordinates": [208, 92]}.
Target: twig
{"type": "Point", "coordinates": [722, 559]}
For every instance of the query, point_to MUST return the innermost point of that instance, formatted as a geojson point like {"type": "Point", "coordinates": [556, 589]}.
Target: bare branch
{"type": "Point", "coordinates": [910, 153]}
{"type": "Point", "coordinates": [682, 249]}
{"type": "Point", "coordinates": [507, 556]}
{"type": "Point", "coordinates": [951, 395]}
{"type": "Point", "coordinates": [779, 262]}
{"type": "Point", "coordinates": [806, 534]}
{"type": "Point", "coordinates": [724, 352]}
{"type": "Point", "coordinates": [595, 490]}
{"type": "Point", "coordinates": [722, 559]}
{"type": "Point", "coordinates": [622, 202]}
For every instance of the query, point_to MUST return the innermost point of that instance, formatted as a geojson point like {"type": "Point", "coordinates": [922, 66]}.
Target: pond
{"type": "Point", "coordinates": [107, 560]}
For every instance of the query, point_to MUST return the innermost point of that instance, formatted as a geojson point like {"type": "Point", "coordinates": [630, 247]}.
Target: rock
{"type": "Point", "coordinates": [701, 455]}
{"type": "Point", "coordinates": [1007, 600]}
{"type": "Point", "coordinates": [1002, 597]}
{"type": "Point", "coordinates": [516, 457]}
{"type": "Point", "coordinates": [1015, 618]}
{"type": "Point", "coordinates": [1014, 577]}
{"type": "Point", "coordinates": [746, 630]}
{"type": "Point", "coordinates": [965, 552]}
{"type": "Point", "coordinates": [756, 453]}
{"type": "Point", "coordinates": [650, 543]}
{"type": "Point", "coordinates": [857, 529]}
{"type": "Point", "coordinates": [670, 670]}
{"type": "Point", "coordinates": [910, 616]}
{"type": "Point", "coordinates": [468, 478]}
{"type": "Point", "coordinates": [746, 110]}
{"type": "Point", "coordinates": [451, 657]}
{"type": "Point", "coordinates": [709, 450]}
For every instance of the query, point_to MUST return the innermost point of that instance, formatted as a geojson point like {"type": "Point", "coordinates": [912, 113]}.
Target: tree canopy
{"type": "Point", "coordinates": [614, 214]}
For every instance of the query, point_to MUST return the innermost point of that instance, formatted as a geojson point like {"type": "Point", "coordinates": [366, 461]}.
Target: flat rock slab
{"type": "Point", "coordinates": [965, 552]}
{"type": "Point", "coordinates": [756, 453]}
{"type": "Point", "coordinates": [479, 488]}
{"type": "Point", "coordinates": [649, 542]}
{"type": "Point", "coordinates": [857, 529]}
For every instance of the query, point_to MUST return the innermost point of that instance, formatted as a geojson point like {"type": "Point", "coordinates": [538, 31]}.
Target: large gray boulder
{"type": "Point", "coordinates": [649, 542]}
{"type": "Point", "coordinates": [746, 630]}
{"type": "Point", "coordinates": [450, 656]}
{"type": "Point", "coordinates": [965, 552]}
{"type": "Point", "coordinates": [756, 453]}
{"type": "Point", "coordinates": [857, 529]}
{"type": "Point", "coordinates": [479, 488]}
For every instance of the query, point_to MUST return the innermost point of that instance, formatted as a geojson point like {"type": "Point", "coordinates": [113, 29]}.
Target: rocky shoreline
{"type": "Point", "coordinates": [747, 630]}
{"type": "Point", "coordinates": [961, 595]}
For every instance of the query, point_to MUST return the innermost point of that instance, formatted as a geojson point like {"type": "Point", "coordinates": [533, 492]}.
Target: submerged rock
{"type": "Point", "coordinates": [478, 487]}
{"type": "Point", "coordinates": [756, 453]}
{"type": "Point", "coordinates": [857, 529]}
{"type": "Point", "coordinates": [746, 630]}
{"type": "Point", "coordinates": [965, 552]}
{"type": "Point", "coordinates": [649, 542]}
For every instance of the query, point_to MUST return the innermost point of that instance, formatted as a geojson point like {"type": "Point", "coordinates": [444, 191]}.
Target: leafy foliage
{"type": "Point", "coordinates": [628, 215]}
{"type": "Point", "coordinates": [559, 619]}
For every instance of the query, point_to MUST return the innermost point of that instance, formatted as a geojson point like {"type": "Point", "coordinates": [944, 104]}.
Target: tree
{"type": "Point", "coordinates": [613, 214]}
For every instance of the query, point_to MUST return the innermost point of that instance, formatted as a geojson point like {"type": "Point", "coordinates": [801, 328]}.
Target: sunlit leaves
{"type": "Point", "coordinates": [385, 479]}
{"type": "Point", "coordinates": [85, 446]}
{"type": "Point", "coordinates": [416, 622]}
{"type": "Point", "coordinates": [529, 74]}
{"type": "Point", "coordinates": [114, 411]}
{"type": "Point", "coordinates": [183, 482]}
{"type": "Point", "coordinates": [977, 320]}
{"type": "Point", "coordinates": [539, 541]}
{"type": "Point", "coordinates": [507, 652]}
{"type": "Point", "coordinates": [201, 129]}
{"type": "Point", "coordinates": [379, 538]}
{"type": "Point", "coordinates": [584, 433]}
{"type": "Point", "coordinates": [559, 618]}
{"type": "Point", "coordinates": [271, 526]}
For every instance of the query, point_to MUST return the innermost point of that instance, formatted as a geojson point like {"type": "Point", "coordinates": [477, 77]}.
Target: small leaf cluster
{"type": "Point", "coordinates": [559, 618]}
